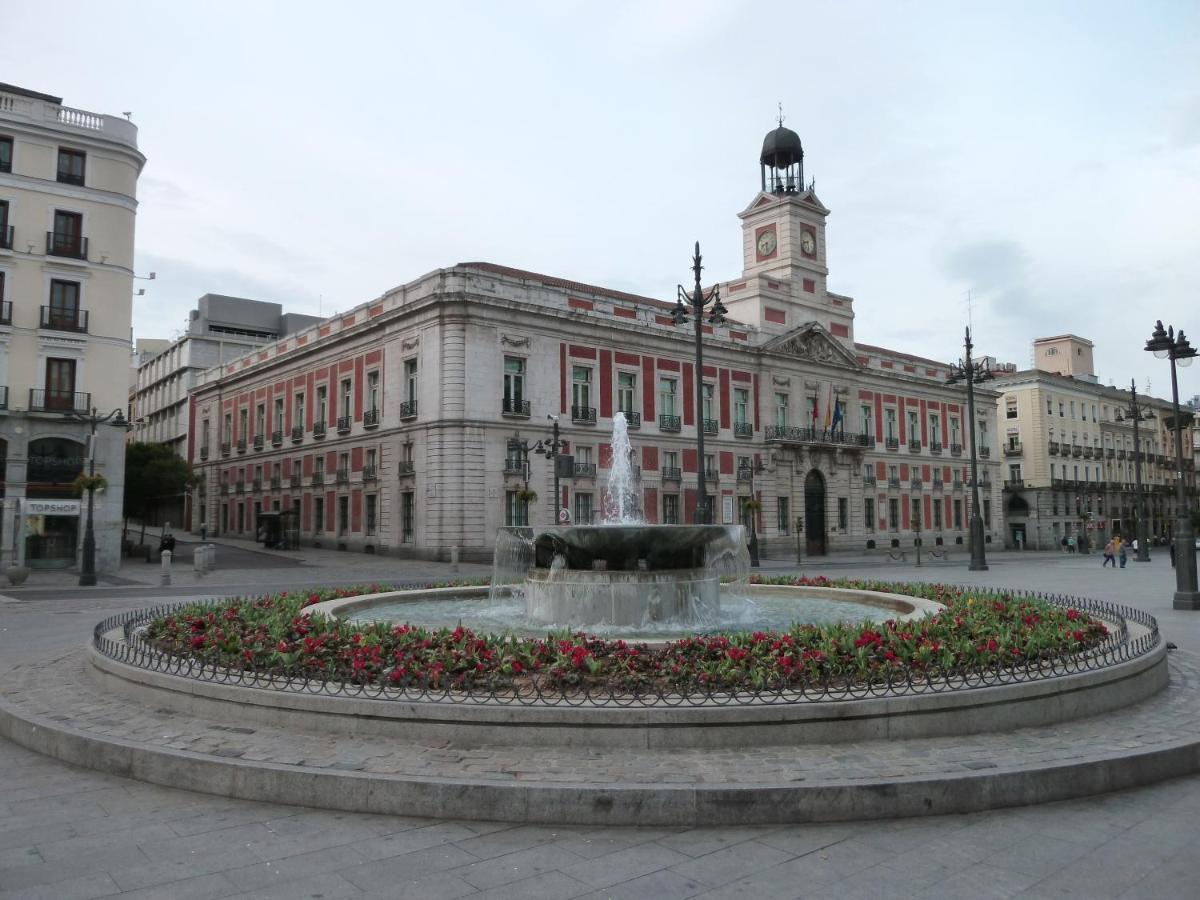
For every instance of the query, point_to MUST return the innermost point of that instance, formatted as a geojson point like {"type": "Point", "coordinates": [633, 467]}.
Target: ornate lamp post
{"type": "Point", "coordinates": [87, 566]}
{"type": "Point", "coordinates": [697, 301]}
{"type": "Point", "coordinates": [1135, 411]}
{"type": "Point", "coordinates": [972, 373]}
{"type": "Point", "coordinates": [549, 449]}
{"type": "Point", "coordinates": [1165, 344]}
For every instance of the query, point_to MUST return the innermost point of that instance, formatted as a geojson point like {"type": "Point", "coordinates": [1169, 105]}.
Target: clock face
{"type": "Point", "coordinates": [808, 243]}
{"type": "Point", "coordinates": [766, 243]}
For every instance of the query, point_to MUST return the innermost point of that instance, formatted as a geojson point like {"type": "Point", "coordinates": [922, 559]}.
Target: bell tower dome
{"type": "Point", "coordinates": [783, 154]}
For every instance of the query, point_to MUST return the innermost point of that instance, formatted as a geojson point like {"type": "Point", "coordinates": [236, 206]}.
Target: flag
{"type": "Point", "coordinates": [837, 414]}
{"type": "Point", "coordinates": [828, 405]}
{"type": "Point", "coordinates": [816, 402]}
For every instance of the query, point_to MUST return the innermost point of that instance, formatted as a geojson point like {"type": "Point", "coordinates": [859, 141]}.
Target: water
{"type": "Point", "coordinates": [767, 611]}
{"type": "Point", "coordinates": [620, 502]}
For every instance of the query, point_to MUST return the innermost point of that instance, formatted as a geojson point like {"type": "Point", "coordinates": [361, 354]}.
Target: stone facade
{"type": "Point", "coordinates": [68, 185]}
{"type": "Point", "coordinates": [401, 426]}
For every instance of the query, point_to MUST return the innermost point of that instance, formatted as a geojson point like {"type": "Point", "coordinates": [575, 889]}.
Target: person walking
{"type": "Point", "coordinates": [1064, 544]}
{"type": "Point", "coordinates": [1109, 555]}
{"type": "Point", "coordinates": [1121, 552]}
{"type": "Point", "coordinates": [1071, 544]}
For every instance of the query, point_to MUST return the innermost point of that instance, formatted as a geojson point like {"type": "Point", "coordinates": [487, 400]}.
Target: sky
{"type": "Point", "coordinates": [1041, 157]}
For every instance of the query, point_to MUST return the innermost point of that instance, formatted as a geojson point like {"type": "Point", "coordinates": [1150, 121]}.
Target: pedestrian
{"type": "Point", "coordinates": [203, 532]}
{"type": "Point", "coordinates": [1121, 552]}
{"type": "Point", "coordinates": [1171, 546]}
{"type": "Point", "coordinates": [1064, 544]}
{"type": "Point", "coordinates": [1071, 544]}
{"type": "Point", "coordinates": [1109, 555]}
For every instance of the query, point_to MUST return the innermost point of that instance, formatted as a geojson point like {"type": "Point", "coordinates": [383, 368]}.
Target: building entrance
{"type": "Point", "coordinates": [814, 513]}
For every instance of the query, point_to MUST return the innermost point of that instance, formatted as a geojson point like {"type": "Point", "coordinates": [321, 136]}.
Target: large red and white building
{"type": "Point", "coordinates": [399, 426]}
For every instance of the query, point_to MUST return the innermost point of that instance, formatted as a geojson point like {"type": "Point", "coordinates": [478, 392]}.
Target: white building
{"type": "Point", "coordinates": [68, 198]}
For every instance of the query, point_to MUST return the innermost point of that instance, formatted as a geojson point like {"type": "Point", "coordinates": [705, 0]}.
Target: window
{"type": "Point", "coordinates": [987, 512]}
{"type": "Point", "coordinates": [343, 515]}
{"type": "Point", "coordinates": [935, 428]}
{"type": "Point", "coordinates": [369, 465]}
{"type": "Point", "coordinates": [410, 380]}
{"type": "Point", "coordinates": [581, 387]}
{"type": "Point", "coordinates": [983, 435]}
{"type": "Point", "coordinates": [889, 423]}
{"type": "Point", "coordinates": [204, 434]}
{"type": "Point", "coordinates": [937, 514]}
{"type": "Point", "coordinates": [373, 391]}
{"type": "Point", "coordinates": [915, 516]}
{"type": "Point", "coordinates": [954, 432]}
{"type": "Point", "coordinates": [371, 513]}
{"type": "Point", "coordinates": [1014, 472]}
{"type": "Point", "coordinates": [583, 509]}
{"type": "Point", "coordinates": [671, 459]}
{"type": "Point", "coordinates": [626, 391]}
{"type": "Point", "coordinates": [4, 240]}
{"type": "Point", "coordinates": [893, 514]}
{"type": "Point", "coordinates": [781, 410]}
{"type": "Point", "coordinates": [810, 410]}
{"type": "Point", "coordinates": [318, 515]}
{"type": "Point", "coordinates": [914, 433]}
{"type": "Point", "coordinates": [515, 511]}
{"type": "Point", "coordinates": [60, 384]}
{"type": "Point", "coordinates": [741, 405]}
{"type": "Point", "coordinates": [1010, 410]}
{"type": "Point", "coordinates": [958, 514]}
{"type": "Point", "coordinates": [710, 464]}
{"type": "Point", "coordinates": [407, 523]}
{"type": "Point", "coordinates": [277, 415]}
{"type": "Point", "coordinates": [843, 514]}
{"type": "Point", "coordinates": [708, 395]}
{"type": "Point", "coordinates": [64, 305]}
{"type": "Point", "coordinates": [227, 433]}
{"type": "Point", "coordinates": [1072, 409]}
{"type": "Point", "coordinates": [6, 154]}
{"type": "Point", "coordinates": [260, 419]}
{"type": "Point", "coordinates": [71, 165]}
{"type": "Point", "coordinates": [322, 411]}
{"type": "Point", "coordinates": [864, 415]}
{"type": "Point", "coordinates": [783, 518]}
{"type": "Point", "coordinates": [583, 455]}
{"type": "Point", "coordinates": [1049, 407]}
{"type": "Point", "coordinates": [347, 393]}
{"type": "Point", "coordinates": [298, 412]}
{"type": "Point", "coordinates": [666, 396]}
{"type": "Point", "coordinates": [670, 509]}
{"type": "Point", "coordinates": [1061, 407]}
{"type": "Point", "coordinates": [869, 513]}
{"type": "Point", "coordinates": [67, 237]}
{"type": "Point", "coordinates": [514, 382]}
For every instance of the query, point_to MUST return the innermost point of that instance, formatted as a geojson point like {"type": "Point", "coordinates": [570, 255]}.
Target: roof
{"type": "Point", "coordinates": [565, 284]}
{"type": "Point", "coordinates": [896, 353]}
{"type": "Point", "coordinates": [25, 92]}
{"type": "Point", "coordinates": [1064, 337]}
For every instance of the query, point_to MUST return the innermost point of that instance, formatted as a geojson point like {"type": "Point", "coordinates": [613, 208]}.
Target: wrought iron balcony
{"type": "Point", "coordinates": [370, 473]}
{"type": "Point", "coordinates": [276, 482]}
{"type": "Point", "coordinates": [894, 483]}
{"type": "Point", "coordinates": [892, 443]}
{"type": "Point", "coordinates": [371, 418]}
{"type": "Point", "coordinates": [59, 318]}
{"type": "Point", "coordinates": [743, 429]}
{"type": "Point", "coordinates": [585, 415]}
{"type": "Point", "coordinates": [915, 484]}
{"type": "Point", "coordinates": [1087, 452]}
{"type": "Point", "coordinates": [343, 425]}
{"type": "Point", "coordinates": [712, 475]}
{"type": "Point", "coordinates": [1014, 484]}
{"type": "Point", "coordinates": [1076, 451]}
{"type": "Point", "coordinates": [585, 470]}
{"type": "Point", "coordinates": [668, 423]}
{"type": "Point", "coordinates": [406, 467]}
{"type": "Point", "coordinates": [789, 434]}
{"type": "Point", "coordinates": [935, 447]}
{"type": "Point", "coordinates": [518, 408]}
{"type": "Point", "coordinates": [514, 467]}
{"type": "Point", "coordinates": [1013, 448]}
{"type": "Point", "coordinates": [318, 479]}
{"type": "Point", "coordinates": [297, 478]}
{"type": "Point", "coordinates": [297, 433]}
{"type": "Point", "coordinates": [408, 409]}
{"type": "Point", "coordinates": [204, 451]}
{"type": "Point", "coordinates": [956, 485]}
{"type": "Point", "coordinates": [277, 438]}
{"type": "Point", "coordinates": [259, 442]}
{"type": "Point", "coordinates": [632, 419]}
{"type": "Point", "coordinates": [5, 312]}
{"type": "Point", "coordinates": [319, 429]}
{"type": "Point", "coordinates": [225, 448]}
{"type": "Point", "coordinates": [956, 449]}
{"type": "Point", "coordinates": [745, 473]}
{"type": "Point", "coordinates": [1109, 452]}
{"type": "Point", "coordinates": [869, 479]}
{"type": "Point", "coordinates": [6, 237]}
{"type": "Point", "coordinates": [1052, 448]}
{"type": "Point", "coordinates": [66, 245]}
{"type": "Point", "coordinates": [985, 452]}
{"type": "Point", "coordinates": [342, 476]}
{"type": "Point", "coordinates": [914, 446]}
{"type": "Point", "coordinates": [672, 473]}
{"type": "Point", "coordinates": [241, 445]}
{"type": "Point", "coordinates": [1120, 453]}
{"type": "Point", "coordinates": [711, 426]}
{"type": "Point", "coordinates": [937, 484]}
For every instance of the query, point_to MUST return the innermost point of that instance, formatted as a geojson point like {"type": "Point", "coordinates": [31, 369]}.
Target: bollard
{"type": "Point", "coordinates": [453, 559]}
{"type": "Point", "coordinates": [166, 567]}
{"type": "Point", "coordinates": [199, 562]}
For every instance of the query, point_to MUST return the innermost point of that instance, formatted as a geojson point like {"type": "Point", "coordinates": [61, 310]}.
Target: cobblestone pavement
{"type": "Point", "coordinates": [66, 832]}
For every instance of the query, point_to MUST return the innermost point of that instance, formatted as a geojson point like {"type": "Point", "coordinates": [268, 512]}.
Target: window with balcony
{"type": "Point", "coordinates": [6, 154]}
{"type": "Point", "coordinates": [670, 509]}
{"type": "Point", "coordinates": [298, 417]}
{"type": "Point", "coordinates": [581, 394]}
{"type": "Point", "coordinates": [67, 237]}
{"type": "Point", "coordinates": [708, 401]}
{"type": "Point", "coordinates": [865, 419]}
{"type": "Point", "coordinates": [781, 410]}
{"type": "Point", "coordinates": [627, 397]}
{"type": "Point", "coordinates": [345, 397]}
{"type": "Point", "coordinates": [914, 431]}
{"type": "Point", "coordinates": [6, 237]}
{"type": "Point", "coordinates": [321, 412]}
{"type": "Point", "coordinates": [371, 413]}
{"type": "Point", "coordinates": [60, 385]}
{"type": "Point", "coordinates": [260, 420]}
{"type": "Point", "coordinates": [889, 424]}
{"type": "Point", "coordinates": [408, 407]}
{"type": "Point", "coordinates": [63, 313]}
{"type": "Point", "coordinates": [741, 412]}
{"type": "Point", "coordinates": [515, 403]}
{"type": "Point", "coordinates": [71, 166]}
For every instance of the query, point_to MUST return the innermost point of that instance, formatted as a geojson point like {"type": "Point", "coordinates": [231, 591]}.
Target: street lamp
{"type": "Point", "coordinates": [1135, 411]}
{"type": "Point", "coordinates": [549, 449]}
{"type": "Point", "coordinates": [755, 467]}
{"type": "Point", "coordinates": [1164, 344]}
{"type": "Point", "coordinates": [698, 300]}
{"type": "Point", "coordinates": [972, 373]}
{"type": "Point", "coordinates": [87, 568]}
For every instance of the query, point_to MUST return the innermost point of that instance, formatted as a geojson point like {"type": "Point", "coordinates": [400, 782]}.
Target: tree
{"type": "Point", "coordinates": [152, 472]}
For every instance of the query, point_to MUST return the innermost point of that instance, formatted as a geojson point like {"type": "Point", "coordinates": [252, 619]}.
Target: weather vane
{"type": "Point", "coordinates": [780, 113]}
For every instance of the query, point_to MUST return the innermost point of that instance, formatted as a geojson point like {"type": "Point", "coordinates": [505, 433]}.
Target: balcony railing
{"type": "Point", "coordinates": [53, 401]}
{"type": "Point", "coordinates": [869, 479]}
{"type": "Point", "coordinates": [1014, 484]}
{"type": "Point", "coordinates": [343, 425]}
{"type": "Point", "coordinates": [6, 237]}
{"type": "Point", "coordinates": [277, 438]}
{"type": "Point", "coordinates": [632, 419]}
{"type": "Point", "coordinates": [514, 467]}
{"type": "Point", "coordinates": [937, 484]}
{"type": "Point", "coordinates": [241, 445]}
{"type": "Point", "coordinates": [58, 318]}
{"type": "Point", "coordinates": [935, 447]}
{"type": "Point", "coordinates": [204, 451]}
{"type": "Point", "coordinates": [585, 470]}
{"type": "Point", "coordinates": [672, 473]}
{"type": "Point", "coordinates": [743, 429]}
{"type": "Point", "coordinates": [711, 426]}
{"type": "Point", "coordinates": [956, 449]}
{"type": "Point", "coordinates": [1013, 449]}
{"type": "Point", "coordinates": [297, 479]}
{"type": "Point", "coordinates": [276, 482]}
{"type": "Point", "coordinates": [914, 446]}
{"type": "Point", "coordinates": [5, 312]}
{"type": "Point", "coordinates": [712, 475]}
{"type": "Point", "coordinates": [318, 479]}
{"type": "Point", "coordinates": [1087, 452]}
{"type": "Point", "coordinates": [319, 430]}
{"type": "Point", "coordinates": [1052, 447]}
{"type": "Point", "coordinates": [1120, 453]}
{"type": "Point", "coordinates": [297, 433]}
{"type": "Point", "coordinates": [985, 452]}
{"type": "Point", "coordinates": [225, 448]}
{"type": "Point", "coordinates": [745, 473]}
{"type": "Point", "coordinates": [511, 407]}
{"type": "Point", "coordinates": [68, 246]}
{"type": "Point", "coordinates": [370, 473]}
{"type": "Point", "coordinates": [915, 484]}
{"type": "Point", "coordinates": [259, 442]}
{"type": "Point", "coordinates": [371, 418]}
{"type": "Point", "coordinates": [892, 443]}
{"type": "Point", "coordinates": [807, 435]}
{"type": "Point", "coordinates": [584, 414]}
{"type": "Point", "coordinates": [343, 476]}
{"type": "Point", "coordinates": [1076, 451]}
{"type": "Point", "coordinates": [894, 482]}
{"type": "Point", "coordinates": [668, 423]}
{"type": "Point", "coordinates": [1109, 452]}
{"type": "Point", "coordinates": [408, 409]}
{"type": "Point", "coordinates": [406, 467]}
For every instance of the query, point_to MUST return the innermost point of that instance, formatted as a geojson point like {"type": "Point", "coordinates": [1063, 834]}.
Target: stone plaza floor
{"type": "Point", "coordinates": [68, 832]}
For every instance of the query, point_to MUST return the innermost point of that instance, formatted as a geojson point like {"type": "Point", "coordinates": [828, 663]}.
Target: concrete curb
{"type": "Point", "coordinates": [597, 804]}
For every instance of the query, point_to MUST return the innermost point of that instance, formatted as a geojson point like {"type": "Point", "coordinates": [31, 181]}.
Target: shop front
{"type": "Point", "coordinates": [50, 511]}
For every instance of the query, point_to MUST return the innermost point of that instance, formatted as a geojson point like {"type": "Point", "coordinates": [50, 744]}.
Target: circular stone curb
{"type": "Point", "coordinates": [53, 710]}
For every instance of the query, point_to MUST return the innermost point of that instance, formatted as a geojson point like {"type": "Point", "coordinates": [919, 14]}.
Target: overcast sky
{"type": "Point", "coordinates": [1044, 156]}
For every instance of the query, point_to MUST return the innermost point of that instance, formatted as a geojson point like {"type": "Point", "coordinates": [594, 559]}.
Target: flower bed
{"type": "Point", "coordinates": [978, 630]}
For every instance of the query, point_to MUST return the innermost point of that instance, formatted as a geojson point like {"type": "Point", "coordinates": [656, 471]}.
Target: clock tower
{"type": "Point", "coordinates": [784, 273]}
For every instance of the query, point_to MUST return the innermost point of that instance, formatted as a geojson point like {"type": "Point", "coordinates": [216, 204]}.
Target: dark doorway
{"type": "Point", "coordinates": [814, 513]}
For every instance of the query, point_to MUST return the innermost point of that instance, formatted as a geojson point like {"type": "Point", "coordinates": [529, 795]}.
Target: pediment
{"type": "Point", "coordinates": [812, 342]}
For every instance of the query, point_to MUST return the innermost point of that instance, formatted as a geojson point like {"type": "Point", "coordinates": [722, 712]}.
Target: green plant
{"type": "Point", "coordinates": [89, 483]}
